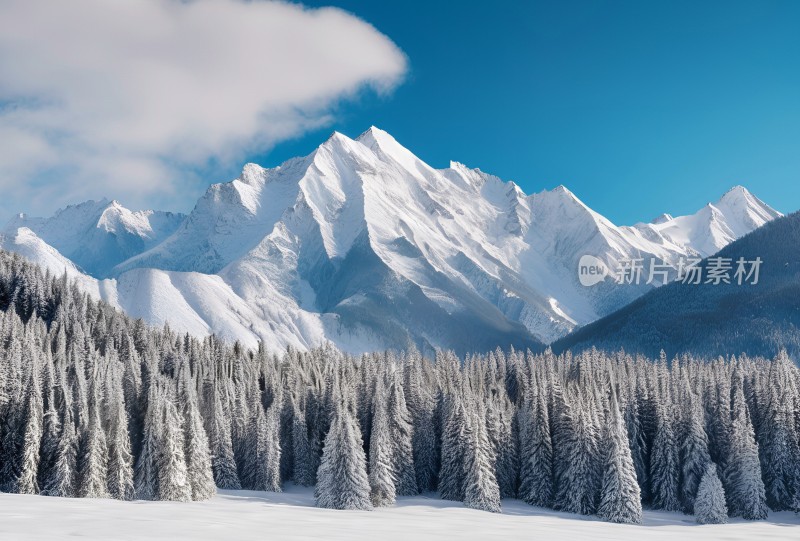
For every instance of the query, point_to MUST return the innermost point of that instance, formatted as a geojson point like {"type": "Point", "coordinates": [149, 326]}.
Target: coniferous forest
{"type": "Point", "coordinates": [96, 404]}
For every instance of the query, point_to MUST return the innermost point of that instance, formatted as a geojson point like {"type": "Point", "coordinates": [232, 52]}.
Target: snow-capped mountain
{"type": "Point", "coordinates": [757, 317]}
{"type": "Point", "coordinates": [363, 244]}
{"type": "Point", "coordinates": [97, 235]}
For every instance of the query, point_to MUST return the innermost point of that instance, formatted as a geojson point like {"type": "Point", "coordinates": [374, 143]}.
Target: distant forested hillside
{"type": "Point", "coordinates": [708, 319]}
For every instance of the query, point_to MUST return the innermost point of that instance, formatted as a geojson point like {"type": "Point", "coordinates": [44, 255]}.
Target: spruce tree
{"type": "Point", "coordinates": [481, 490]}
{"type": "Point", "coordinates": [173, 484]}
{"type": "Point", "coordinates": [620, 499]}
{"type": "Point", "coordinates": [93, 467]}
{"type": "Point", "coordinates": [120, 459]}
{"type": "Point", "coordinates": [694, 454]}
{"type": "Point", "coordinates": [381, 465]}
{"type": "Point", "coordinates": [198, 456]}
{"type": "Point", "coordinates": [744, 485]}
{"type": "Point", "coordinates": [454, 442]}
{"type": "Point", "coordinates": [401, 429]}
{"type": "Point", "coordinates": [664, 462]}
{"type": "Point", "coordinates": [27, 482]}
{"type": "Point", "coordinates": [536, 476]}
{"type": "Point", "coordinates": [709, 506]}
{"type": "Point", "coordinates": [305, 460]}
{"type": "Point", "coordinates": [219, 435]}
{"type": "Point", "coordinates": [61, 480]}
{"type": "Point", "coordinates": [342, 481]}
{"type": "Point", "coordinates": [146, 473]}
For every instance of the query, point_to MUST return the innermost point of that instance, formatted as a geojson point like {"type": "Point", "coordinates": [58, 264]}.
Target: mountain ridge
{"type": "Point", "coordinates": [714, 319]}
{"type": "Point", "coordinates": [276, 250]}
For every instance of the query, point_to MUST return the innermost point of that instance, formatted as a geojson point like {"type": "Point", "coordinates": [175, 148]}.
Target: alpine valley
{"type": "Point", "coordinates": [364, 245]}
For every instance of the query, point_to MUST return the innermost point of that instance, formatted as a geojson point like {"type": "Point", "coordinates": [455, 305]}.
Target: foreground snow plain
{"type": "Point", "coordinates": [243, 515]}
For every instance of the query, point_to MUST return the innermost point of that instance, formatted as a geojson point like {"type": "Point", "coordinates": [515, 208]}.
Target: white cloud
{"type": "Point", "coordinates": [121, 97]}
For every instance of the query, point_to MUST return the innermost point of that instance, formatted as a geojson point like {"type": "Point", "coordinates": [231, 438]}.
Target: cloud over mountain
{"type": "Point", "coordinates": [135, 92]}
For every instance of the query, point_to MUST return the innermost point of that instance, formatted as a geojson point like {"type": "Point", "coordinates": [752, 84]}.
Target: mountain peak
{"type": "Point", "coordinates": [252, 174]}
{"type": "Point", "coordinates": [663, 218]}
{"type": "Point", "coordinates": [374, 133]}
{"type": "Point", "coordinates": [562, 193]}
{"type": "Point", "coordinates": [736, 193]}
{"type": "Point", "coordinates": [377, 138]}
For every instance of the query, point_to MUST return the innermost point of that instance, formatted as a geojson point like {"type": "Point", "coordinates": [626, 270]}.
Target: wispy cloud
{"type": "Point", "coordinates": [118, 98]}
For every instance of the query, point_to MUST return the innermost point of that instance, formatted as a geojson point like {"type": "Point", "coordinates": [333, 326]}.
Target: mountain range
{"type": "Point", "coordinates": [362, 244]}
{"type": "Point", "coordinates": [708, 319]}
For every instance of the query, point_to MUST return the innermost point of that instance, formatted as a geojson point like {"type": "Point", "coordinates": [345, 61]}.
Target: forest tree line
{"type": "Point", "coordinates": [96, 404]}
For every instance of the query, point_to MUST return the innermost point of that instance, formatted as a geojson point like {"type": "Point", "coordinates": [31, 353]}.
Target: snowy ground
{"type": "Point", "coordinates": [244, 515]}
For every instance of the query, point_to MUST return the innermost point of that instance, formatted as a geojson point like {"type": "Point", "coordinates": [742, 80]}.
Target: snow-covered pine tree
{"type": "Point", "coordinates": [305, 460]}
{"type": "Point", "coordinates": [664, 473]}
{"type": "Point", "coordinates": [536, 475]}
{"type": "Point", "coordinates": [12, 422]}
{"type": "Point", "coordinates": [480, 485]}
{"type": "Point", "coordinates": [744, 485]}
{"type": "Point", "coordinates": [264, 449]}
{"type": "Point", "coordinates": [120, 459]}
{"type": "Point", "coordinates": [779, 450]}
{"type": "Point", "coordinates": [198, 456]}
{"type": "Point", "coordinates": [173, 484]}
{"type": "Point", "coordinates": [93, 465]}
{"type": "Point", "coordinates": [577, 487]}
{"type": "Point", "coordinates": [219, 435]}
{"type": "Point", "coordinates": [502, 433]}
{"type": "Point", "coordinates": [694, 450]}
{"type": "Point", "coordinates": [27, 482]}
{"type": "Point", "coordinates": [146, 472]}
{"type": "Point", "coordinates": [422, 407]}
{"type": "Point", "coordinates": [61, 480]}
{"type": "Point", "coordinates": [620, 499]}
{"type": "Point", "coordinates": [342, 481]}
{"type": "Point", "coordinates": [402, 432]}
{"type": "Point", "coordinates": [52, 422]}
{"type": "Point", "coordinates": [381, 466]}
{"type": "Point", "coordinates": [454, 443]}
{"type": "Point", "coordinates": [709, 505]}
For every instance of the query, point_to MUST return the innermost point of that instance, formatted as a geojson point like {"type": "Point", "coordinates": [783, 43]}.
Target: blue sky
{"type": "Point", "coordinates": [639, 107]}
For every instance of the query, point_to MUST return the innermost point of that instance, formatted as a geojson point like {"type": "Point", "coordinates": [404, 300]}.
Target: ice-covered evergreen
{"type": "Point", "coordinates": [709, 505]}
{"type": "Point", "coordinates": [342, 481]}
{"type": "Point", "coordinates": [382, 479]}
{"type": "Point", "coordinates": [620, 498]}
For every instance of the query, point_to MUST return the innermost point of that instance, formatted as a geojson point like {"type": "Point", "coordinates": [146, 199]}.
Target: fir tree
{"type": "Point", "coordinates": [536, 477]}
{"type": "Point", "coordinates": [694, 453]}
{"type": "Point", "coordinates": [401, 430]}
{"type": "Point", "coordinates": [173, 484]}
{"type": "Point", "coordinates": [744, 486]}
{"type": "Point", "coordinates": [93, 468]}
{"type": "Point", "coordinates": [664, 463]}
{"type": "Point", "coordinates": [620, 499]}
{"type": "Point", "coordinates": [381, 468]}
{"type": "Point", "coordinates": [481, 490]}
{"type": "Point", "coordinates": [454, 441]}
{"type": "Point", "coordinates": [342, 481]}
{"type": "Point", "coordinates": [710, 505]}
{"type": "Point", "coordinates": [27, 482]}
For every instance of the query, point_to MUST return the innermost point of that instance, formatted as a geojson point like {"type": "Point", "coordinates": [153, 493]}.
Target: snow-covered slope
{"type": "Point", "coordinates": [97, 235]}
{"type": "Point", "coordinates": [714, 226]}
{"type": "Point", "coordinates": [292, 515]}
{"type": "Point", "coordinates": [363, 244]}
